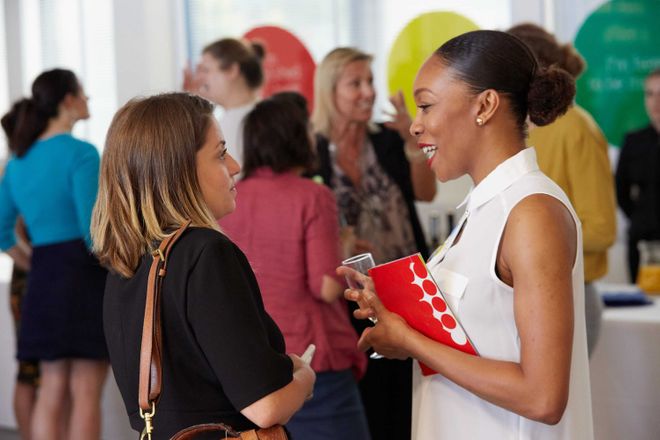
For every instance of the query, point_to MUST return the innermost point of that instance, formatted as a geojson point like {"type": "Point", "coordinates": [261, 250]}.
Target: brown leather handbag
{"type": "Point", "coordinates": [151, 372]}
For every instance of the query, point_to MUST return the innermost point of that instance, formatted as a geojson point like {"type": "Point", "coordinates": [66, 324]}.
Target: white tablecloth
{"type": "Point", "coordinates": [625, 374]}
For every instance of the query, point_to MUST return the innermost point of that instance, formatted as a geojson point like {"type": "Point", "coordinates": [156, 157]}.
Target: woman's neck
{"type": "Point", "coordinates": [495, 148]}
{"type": "Point", "coordinates": [341, 127]}
{"type": "Point", "coordinates": [57, 125]}
{"type": "Point", "coordinates": [238, 97]}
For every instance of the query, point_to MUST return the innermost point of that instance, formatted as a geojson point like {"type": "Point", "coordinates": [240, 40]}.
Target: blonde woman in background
{"type": "Point", "coordinates": [376, 172]}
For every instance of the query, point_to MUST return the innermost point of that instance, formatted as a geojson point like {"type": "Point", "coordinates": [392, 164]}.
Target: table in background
{"type": "Point", "coordinates": [625, 374]}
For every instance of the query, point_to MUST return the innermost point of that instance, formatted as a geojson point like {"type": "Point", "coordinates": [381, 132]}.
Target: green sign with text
{"type": "Point", "coordinates": [621, 43]}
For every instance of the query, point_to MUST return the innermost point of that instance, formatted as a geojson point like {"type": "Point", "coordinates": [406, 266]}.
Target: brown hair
{"type": "Point", "coordinates": [276, 135]}
{"type": "Point", "coordinates": [248, 56]}
{"type": "Point", "coordinates": [499, 61]}
{"type": "Point", "coordinates": [148, 182]}
{"type": "Point", "coordinates": [325, 82]}
{"type": "Point", "coordinates": [547, 49]}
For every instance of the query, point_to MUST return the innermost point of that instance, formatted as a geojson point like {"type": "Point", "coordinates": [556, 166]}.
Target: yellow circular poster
{"type": "Point", "coordinates": [419, 39]}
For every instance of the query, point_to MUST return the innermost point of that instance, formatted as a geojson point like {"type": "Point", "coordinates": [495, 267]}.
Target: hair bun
{"type": "Point", "coordinates": [551, 93]}
{"type": "Point", "coordinates": [571, 60]}
{"type": "Point", "coordinates": [258, 49]}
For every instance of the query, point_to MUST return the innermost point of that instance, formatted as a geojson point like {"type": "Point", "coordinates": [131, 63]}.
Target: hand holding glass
{"type": "Point", "coordinates": [361, 263]}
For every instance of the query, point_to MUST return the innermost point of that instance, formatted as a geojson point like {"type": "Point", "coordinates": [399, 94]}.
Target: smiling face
{"type": "Point", "coordinates": [445, 120]}
{"type": "Point", "coordinates": [215, 173]}
{"type": "Point", "coordinates": [214, 81]}
{"type": "Point", "coordinates": [354, 92]}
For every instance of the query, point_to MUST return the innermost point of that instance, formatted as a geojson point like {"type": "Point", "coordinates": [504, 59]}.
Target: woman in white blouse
{"type": "Point", "coordinates": [513, 271]}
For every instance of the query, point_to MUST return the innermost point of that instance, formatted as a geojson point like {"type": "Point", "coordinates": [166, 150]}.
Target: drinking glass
{"type": "Point", "coordinates": [361, 263]}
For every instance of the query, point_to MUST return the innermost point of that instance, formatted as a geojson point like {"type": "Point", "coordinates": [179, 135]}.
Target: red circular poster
{"type": "Point", "coordinates": [288, 65]}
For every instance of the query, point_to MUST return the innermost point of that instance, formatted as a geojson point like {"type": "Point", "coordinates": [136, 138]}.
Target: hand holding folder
{"type": "Point", "coordinates": [406, 287]}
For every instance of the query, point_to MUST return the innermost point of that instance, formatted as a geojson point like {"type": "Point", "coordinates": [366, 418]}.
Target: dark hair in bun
{"type": "Point", "coordinates": [550, 94]}
{"type": "Point", "coordinates": [258, 49]}
{"type": "Point", "coordinates": [497, 60]}
{"type": "Point", "coordinates": [248, 56]}
{"type": "Point", "coordinates": [28, 117]}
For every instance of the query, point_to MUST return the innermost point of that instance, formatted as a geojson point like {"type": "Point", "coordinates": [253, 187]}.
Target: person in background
{"type": "Point", "coordinates": [572, 151]}
{"type": "Point", "coordinates": [230, 75]}
{"type": "Point", "coordinates": [638, 178]}
{"type": "Point", "coordinates": [288, 227]}
{"type": "Point", "coordinates": [27, 378]}
{"type": "Point", "coordinates": [513, 273]}
{"type": "Point", "coordinates": [166, 162]}
{"type": "Point", "coordinates": [51, 182]}
{"type": "Point", "coordinates": [377, 172]}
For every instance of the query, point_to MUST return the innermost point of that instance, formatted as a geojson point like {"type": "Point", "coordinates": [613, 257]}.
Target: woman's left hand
{"type": "Point", "coordinates": [401, 120]}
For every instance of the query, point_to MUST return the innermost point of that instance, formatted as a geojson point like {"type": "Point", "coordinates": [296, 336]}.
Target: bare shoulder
{"type": "Point", "coordinates": [540, 232]}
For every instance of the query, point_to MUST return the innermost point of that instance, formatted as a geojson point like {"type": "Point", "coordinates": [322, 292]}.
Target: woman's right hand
{"type": "Point", "coordinates": [302, 367]}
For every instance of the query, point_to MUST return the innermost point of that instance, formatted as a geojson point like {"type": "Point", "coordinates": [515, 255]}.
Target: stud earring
{"type": "Point", "coordinates": [480, 121]}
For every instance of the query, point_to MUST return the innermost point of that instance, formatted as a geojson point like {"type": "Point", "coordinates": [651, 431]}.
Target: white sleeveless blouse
{"type": "Point", "coordinates": [484, 306]}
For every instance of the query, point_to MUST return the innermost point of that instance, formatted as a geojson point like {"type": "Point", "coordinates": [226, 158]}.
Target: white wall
{"type": "Point", "coordinates": [149, 42]}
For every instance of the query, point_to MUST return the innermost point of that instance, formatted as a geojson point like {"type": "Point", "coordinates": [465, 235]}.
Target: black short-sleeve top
{"type": "Point", "coordinates": [221, 350]}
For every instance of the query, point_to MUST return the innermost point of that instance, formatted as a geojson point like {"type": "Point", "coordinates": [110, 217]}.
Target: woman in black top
{"type": "Point", "coordinates": [165, 162]}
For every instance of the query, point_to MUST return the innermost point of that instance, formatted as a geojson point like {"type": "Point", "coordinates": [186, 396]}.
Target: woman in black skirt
{"type": "Point", "coordinates": [51, 181]}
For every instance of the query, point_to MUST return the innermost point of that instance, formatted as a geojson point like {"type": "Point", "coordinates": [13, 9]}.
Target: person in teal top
{"type": "Point", "coordinates": [51, 182]}
{"type": "Point", "coordinates": [57, 178]}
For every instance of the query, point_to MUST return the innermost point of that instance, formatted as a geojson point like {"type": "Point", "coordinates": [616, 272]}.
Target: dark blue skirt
{"type": "Point", "coordinates": [61, 314]}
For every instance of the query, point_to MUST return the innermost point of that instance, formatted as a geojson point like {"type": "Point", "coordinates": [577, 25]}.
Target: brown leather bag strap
{"type": "Point", "coordinates": [150, 349]}
{"type": "Point", "coordinates": [272, 433]}
{"type": "Point", "coordinates": [150, 358]}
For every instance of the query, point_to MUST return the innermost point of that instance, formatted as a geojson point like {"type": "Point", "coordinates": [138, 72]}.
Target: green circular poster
{"type": "Point", "coordinates": [621, 43]}
{"type": "Point", "coordinates": [419, 39]}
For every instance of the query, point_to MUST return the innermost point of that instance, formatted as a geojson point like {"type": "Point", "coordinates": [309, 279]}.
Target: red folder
{"type": "Point", "coordinates": [406, 288]}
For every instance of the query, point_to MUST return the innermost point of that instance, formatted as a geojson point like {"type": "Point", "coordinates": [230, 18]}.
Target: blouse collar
{"type": "Point", "coordinates": [503, 176]}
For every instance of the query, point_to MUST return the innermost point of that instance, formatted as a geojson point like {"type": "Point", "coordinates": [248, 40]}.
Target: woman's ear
{"type": "Point", "coordinates": [487, 103]}
{"type": "Point", "coordinates": [67, 105]}
{"type": "Point", "coordinates": [233, 71]}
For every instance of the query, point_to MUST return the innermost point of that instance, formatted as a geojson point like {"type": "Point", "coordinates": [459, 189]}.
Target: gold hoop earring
{"type": "Point", "coordinates": [480, 121]}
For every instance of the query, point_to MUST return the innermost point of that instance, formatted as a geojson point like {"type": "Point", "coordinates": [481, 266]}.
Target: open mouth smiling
{"type": "Point", "coordinates": [429, 150]}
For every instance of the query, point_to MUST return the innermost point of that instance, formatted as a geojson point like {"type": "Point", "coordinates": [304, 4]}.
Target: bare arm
{"type": "Point", "coordinates": [331, 290]}
{"type": "Point", "coordinates": [537, 254]}
{"type": "Point", "coordinates": [279, 406]}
